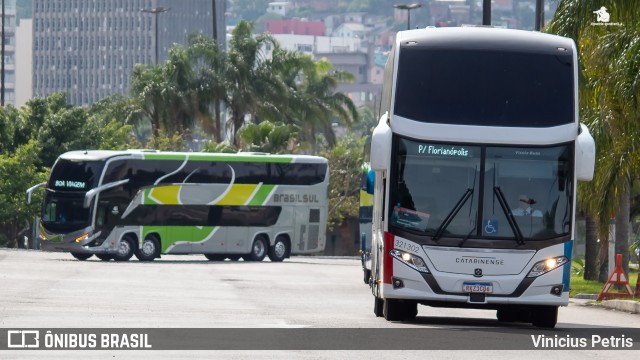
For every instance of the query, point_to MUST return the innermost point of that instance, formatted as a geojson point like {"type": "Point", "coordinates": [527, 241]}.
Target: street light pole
{"type": "Point", "coordinates": [156, 11]}
{"type": "Point", "coordinates": [2, 54]}
{"type": "Point", "coordinates": [408, 7]}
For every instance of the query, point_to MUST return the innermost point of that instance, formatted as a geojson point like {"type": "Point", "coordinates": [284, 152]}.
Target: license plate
{"type": "Point", "coordinates": [477, 287]}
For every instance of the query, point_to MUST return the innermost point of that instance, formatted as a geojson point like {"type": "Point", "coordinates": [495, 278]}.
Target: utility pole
{"type": "Point", "coordinates": [155, 11]}
{"type": "Point", "coordinates": [539, 15]}
{"type": "Point", "coordinates": [2, 67]}
{"type": "Point", "coordinates": [486, 12]}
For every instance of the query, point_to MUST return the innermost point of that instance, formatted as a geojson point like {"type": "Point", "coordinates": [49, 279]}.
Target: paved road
{"type": "Point", "coordinates": [53, 290]}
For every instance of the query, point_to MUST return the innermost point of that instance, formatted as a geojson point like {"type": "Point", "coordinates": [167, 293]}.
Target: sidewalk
{"type": "Point", "coordinates": [628, 306]}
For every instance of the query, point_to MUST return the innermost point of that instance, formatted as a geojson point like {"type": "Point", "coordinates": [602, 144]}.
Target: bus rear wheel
{"type": "Point", "coordinates": [81, 256]}
{"type": "Point", "coordinates": [279, 251]}
{"type": "Point", "coordinates": [149, 250]}
{"type": "Point", "coordinates": [126, 249]}
{"type": "Point", "coordinates": [258, 249]}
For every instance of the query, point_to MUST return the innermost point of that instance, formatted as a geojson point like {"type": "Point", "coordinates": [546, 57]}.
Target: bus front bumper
{"type": "Point", "coordinates": [82, 242]}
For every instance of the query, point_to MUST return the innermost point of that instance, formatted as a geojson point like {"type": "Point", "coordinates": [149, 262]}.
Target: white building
{"type": "Point", "coordinates": [9, 44]}
{"type": "Point", "coordinates": [280, 8]}
{"type": "Point", "coordinates": [318, 44]}
{"type": "Point", "coordinates": [24, 36]}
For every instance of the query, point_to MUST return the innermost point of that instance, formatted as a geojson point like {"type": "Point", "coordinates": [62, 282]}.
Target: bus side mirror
{"type": "Point", "coordinates": [585, 154]}
{"type": "Point", "coordinates": [371, 181]}
{"type": "Point", "coordinates": [381, 145]}
{"type": "Point", "coordinates": [31, 190]}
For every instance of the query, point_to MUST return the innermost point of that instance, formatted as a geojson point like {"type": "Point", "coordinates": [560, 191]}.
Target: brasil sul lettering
{"type": "Point", "coordinates": [295, 198]}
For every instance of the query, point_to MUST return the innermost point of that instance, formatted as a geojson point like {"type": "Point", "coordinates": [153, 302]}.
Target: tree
{"type": "Point", "coordinates": [250, 79]}
{"type": "Point", "coordinates": [273, 138]}
{"type": "Point", "coordinates": [211, 81]}
{"type": "Point", "coordinates": [18, 172]}
{"type": "Point", "coordinates": [610, 64]}
{"type": "Point", "coordinates": [66, 130]}
{"type": "Point", "coordinates": [345, 164]}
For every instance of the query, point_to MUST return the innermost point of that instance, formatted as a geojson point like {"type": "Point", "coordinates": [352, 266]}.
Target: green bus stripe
{"type": "Point", "coordinates": [222, 157]}
{"type": "Point", "coordinates": [261, 196]}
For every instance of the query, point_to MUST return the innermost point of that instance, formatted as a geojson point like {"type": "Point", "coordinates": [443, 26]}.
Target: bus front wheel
{"type": "Point", "coordinates": [258, 249]}
{"type": "Point", "coordinates": [378, 306]}
{"type": "Point", "coordinates": [214, 257]}
{"type": "Point", "coordinates": [104, 257]}
{"type": "Point", "coordinates": [81, 256]}
{"type": "Point", "coordinates": [126, 249]}
{"type": "Point", "coordinates": [544, 316]}
{"type": "Point", "coordinates": [278, 252]}
{"type": "Point", "coordinates": [149, 250]}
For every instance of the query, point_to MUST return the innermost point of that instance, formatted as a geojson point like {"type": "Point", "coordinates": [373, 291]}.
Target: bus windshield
{"type": "Point", "coordinates": [450, 191]}
{"type": "Point", "coordinates": [488, 88]}
{"type": "Point", "coordinates": [71, 175]}
{"type": "Point", "coordinates": [64, 212]}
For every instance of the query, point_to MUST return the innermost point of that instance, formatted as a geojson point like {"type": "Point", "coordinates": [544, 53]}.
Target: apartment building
{"type": "Point", "coordinates": [88, 48]}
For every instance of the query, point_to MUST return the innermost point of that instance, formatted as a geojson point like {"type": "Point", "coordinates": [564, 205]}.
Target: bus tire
{"type": "Point", "coordinates": [367, 275]}
{"type": "Point", "coordinates": [378, 305]}
{"type": "Point", "coordinates": [214, 257]}
{"type": "Point", "coordinates": [507, 314]}
{"type": "Point", "coordinates": [393, 310]}
{"type": "Point", "coordinates": [81, 256]}
{"type": "Point", "coordinates": [544, 316]}
{"type": "Point", "coordinates": [410, 310]}
{"type": "Point", "coordinates": [126, 249]}
{"type": "Point", "coordinates": [280, 249]}
{"type": "Point", "coordinates": [104, 257]}
{"type": "Point", "coordinates": [258, 249]}
{"type": "Point", "coordinates": [149, 250]}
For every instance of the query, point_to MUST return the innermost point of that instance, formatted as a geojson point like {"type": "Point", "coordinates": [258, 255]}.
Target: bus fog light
{"type": "Point", "coordinates": [413, 261]}
{"type": "Point", "coordinates": [544, 266]}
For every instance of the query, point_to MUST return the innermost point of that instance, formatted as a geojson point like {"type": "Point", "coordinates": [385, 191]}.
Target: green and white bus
{"type": "Point", "coordinates": [115, 204]}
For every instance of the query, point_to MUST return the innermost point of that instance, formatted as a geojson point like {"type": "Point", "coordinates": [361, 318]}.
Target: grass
{"type": "Point", "coordinates": [581, 286]}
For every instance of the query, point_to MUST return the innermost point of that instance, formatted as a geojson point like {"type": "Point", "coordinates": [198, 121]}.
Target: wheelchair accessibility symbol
{"type": "Point", "coordinates": [491, 227]}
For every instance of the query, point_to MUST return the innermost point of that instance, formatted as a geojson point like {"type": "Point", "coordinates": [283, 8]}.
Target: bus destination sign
{"type": "Point", "coordinates": [70, 184]}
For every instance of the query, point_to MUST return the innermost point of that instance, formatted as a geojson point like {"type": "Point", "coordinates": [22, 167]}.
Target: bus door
{"type": "Point", "coordinates": [307, 225]}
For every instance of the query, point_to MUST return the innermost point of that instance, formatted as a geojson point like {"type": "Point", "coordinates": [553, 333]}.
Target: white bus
{"type": "Point", "coordinates": [115, 204]}
{"type": "Point", "coordinates": [476, 160]}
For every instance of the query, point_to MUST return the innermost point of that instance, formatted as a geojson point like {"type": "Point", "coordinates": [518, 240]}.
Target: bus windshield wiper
{"type": "Point", "coordinates": [510, 219]}
{"type": "Point", "coordinates": [452, 214]}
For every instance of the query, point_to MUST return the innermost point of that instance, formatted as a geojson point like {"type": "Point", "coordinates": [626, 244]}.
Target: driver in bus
{"type": "Point", "coordinates": [525, 207]}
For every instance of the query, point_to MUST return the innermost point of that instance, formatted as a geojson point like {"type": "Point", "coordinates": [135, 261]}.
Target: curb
{"type": "Point", "coordinates": [628, 306]}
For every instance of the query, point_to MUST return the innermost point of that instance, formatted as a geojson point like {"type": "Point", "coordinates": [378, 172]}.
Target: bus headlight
{"type": "Point", "coordinates": [82, 237]}
{"type": "Point", "coordinates": [544, 266]}
{"type": "Point", "coordinates": [413, 261]}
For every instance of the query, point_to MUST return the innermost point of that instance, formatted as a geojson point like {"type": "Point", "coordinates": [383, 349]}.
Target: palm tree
{"type": "Point", "coordinates": [148, 89]}
{"type": "Point", "coordinates": [610, 68]}
{"type": "Point", "coordinates": [250, 80]}
{"type": "Point", "coordinates": [211, 82]}
{"type": "Point", "coordinates": [320, 103]}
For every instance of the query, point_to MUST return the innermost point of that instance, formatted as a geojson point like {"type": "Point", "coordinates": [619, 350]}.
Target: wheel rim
{"type": "Point", "coordinates": [125, 248]}
{"type": "Point", "coordinates": [148, 247]}
{"type": "Point", "coordinates": [280, 249]}
{"type": "Point", "coordinates": [258, 248]}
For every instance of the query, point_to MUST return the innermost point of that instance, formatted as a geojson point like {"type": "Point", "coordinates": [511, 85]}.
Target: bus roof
{"type": "Point", "coordinates": [484, 38]}
{"type": "Point", "coordinates": [94, 155]}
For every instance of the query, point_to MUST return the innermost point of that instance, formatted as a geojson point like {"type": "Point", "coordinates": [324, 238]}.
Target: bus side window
{"type": "Point", "coordinates": [101, 216]}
